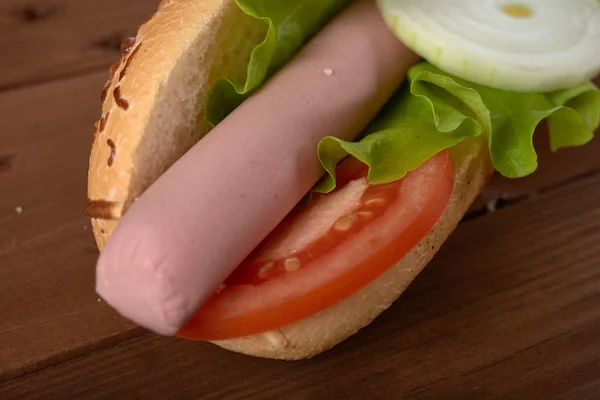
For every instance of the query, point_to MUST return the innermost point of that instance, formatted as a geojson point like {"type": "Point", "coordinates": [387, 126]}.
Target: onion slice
{"type": "Point", "coordinates": [516, 45]}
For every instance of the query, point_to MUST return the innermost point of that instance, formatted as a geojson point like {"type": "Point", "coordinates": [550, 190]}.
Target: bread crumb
{"type": "Point", "coordinates": [19, 210]}
{"type": "Point", "coordinates": [328, 71]}
{"type": "Point", "coordinates": [99, 300]}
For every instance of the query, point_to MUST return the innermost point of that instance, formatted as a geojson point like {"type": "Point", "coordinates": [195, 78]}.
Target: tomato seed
{"type": "Point", "coordinates": [264, 270]}
{"type": "Point", "coordinates": [292, 264]}
{"type": "Point", "coordinates": [376, 202]}
{"type": "Point", "coordinates": [365, 215]}
{"type": "Point", "coordinates": [344, 223]}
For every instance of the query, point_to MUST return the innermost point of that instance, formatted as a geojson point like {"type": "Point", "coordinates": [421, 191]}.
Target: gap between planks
{"type": "Point", "coordinates": [53, 79]}
{"type": "Point", "coordinates": [501, 202]}
{"type": "Point", "coordinates": [43, 40]}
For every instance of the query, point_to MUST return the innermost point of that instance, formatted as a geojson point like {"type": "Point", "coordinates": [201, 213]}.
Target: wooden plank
{"type": "Point", "coordinates": [510, 308]}
{"type": "Point", "coordinates": [47, 302]}
{"type": "Point", "coordinates": [42, 39]}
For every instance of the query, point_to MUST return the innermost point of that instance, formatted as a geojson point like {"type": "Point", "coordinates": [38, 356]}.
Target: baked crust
{"type": "Point", "coordinates": [153, 102]}
{"type": "Point", "coordinates": [152, 113]}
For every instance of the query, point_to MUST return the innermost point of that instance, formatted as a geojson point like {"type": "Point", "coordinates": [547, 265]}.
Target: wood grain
{"type": "Point", "coordinates": [46, 39]}
{"type": "Point", "coordinates": [48, 307]}
{"type": "Point", "coordinates": [509, 308]}
{"type": "Point", "coordinates": [51, 321]}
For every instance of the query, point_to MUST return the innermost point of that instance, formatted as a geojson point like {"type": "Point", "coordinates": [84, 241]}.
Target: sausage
{"type": "Point", "coordinates": [189, 231]}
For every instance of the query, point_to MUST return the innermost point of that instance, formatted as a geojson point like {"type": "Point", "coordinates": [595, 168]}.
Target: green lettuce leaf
{"type": "Point", "coordinates": [436, 111]}
{"type": "Point", "coordinates": [432, 112]}
{"type": "Point", "coordinates": [291, 25]}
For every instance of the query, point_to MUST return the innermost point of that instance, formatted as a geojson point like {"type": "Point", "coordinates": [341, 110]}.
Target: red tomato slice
{"type": "Point", "coordinates": [327, 250]}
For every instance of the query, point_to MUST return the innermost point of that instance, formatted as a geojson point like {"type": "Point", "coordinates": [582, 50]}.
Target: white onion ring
{"type": "Point", "coordinates": [553, 44]}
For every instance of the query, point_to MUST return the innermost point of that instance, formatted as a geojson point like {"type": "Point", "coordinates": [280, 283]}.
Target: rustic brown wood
{"type": "Point", "coordinates": [46, 39]}
{"type": "Point", "coordinates": [510, 308]}
{"type": "Point", "coordinates": [48, 309]}
{"type": "Point", "coordinates": [504, 311]}
{"type": "Point", "coordinates": [47, 303]}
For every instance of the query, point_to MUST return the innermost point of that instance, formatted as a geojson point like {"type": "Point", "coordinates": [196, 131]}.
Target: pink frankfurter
{"type": "Point", "coordinates": [189, 231]}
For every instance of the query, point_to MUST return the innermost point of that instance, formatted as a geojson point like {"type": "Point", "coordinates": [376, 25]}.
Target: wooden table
{"type": "Point", "coordinates": [509, 308]}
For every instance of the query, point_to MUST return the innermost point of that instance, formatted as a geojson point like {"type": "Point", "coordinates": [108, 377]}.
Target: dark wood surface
{"type": "Point", "coordinates": [50, 39]}
{"type": "Point", "coordinates": [509, 308]}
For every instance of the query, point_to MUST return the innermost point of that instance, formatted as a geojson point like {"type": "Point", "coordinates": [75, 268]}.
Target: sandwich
{"type": "Point", "coordinates": [270, 176]}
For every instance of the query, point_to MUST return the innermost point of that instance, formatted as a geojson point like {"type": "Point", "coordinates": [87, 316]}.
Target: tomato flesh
{"type": "Point", "coordinates": [294, 275]}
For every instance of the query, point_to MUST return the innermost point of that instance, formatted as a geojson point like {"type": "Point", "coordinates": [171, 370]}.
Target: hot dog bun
{"type": "Point", "coordinates": [152, 114]}
{"type": "Point", "coordinates": [153, 101]}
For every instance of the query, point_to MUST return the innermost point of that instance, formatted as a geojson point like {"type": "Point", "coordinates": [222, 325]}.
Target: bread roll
{"type": "Point", "coordinates": [153, 103]}
{"type": "Point", "coordinates": [153, 113]}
